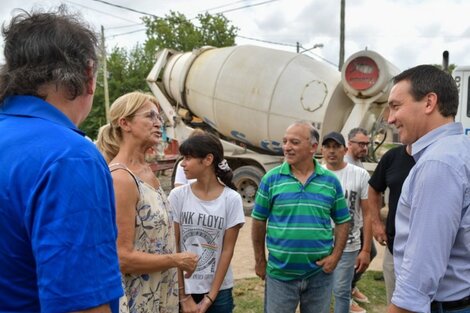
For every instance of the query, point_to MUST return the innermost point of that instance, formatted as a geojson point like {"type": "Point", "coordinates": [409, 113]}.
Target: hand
{"type": "Point", "coordinates": [362, 261]}
{"type": "Point", "coordinates": [187, 262]}
{"type": "Point", "coordinates": [260, 269]}
{"type": "Point", "coordinates": [378, 230]}
{"type": "Point", "coordinates": [188, 306]}
{"type": "Point", "coordinates": [204, 305]}
{"type": "Point", "coordinates": [328, 263]}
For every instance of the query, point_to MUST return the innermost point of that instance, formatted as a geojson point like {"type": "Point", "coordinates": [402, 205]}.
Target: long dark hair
{"type": "Point", "coordinates": [202, 144]}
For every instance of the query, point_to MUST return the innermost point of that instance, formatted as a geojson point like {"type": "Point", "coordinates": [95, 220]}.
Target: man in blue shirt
{"type": "Point", "coordinates": [57, 219]}
{"type": "Point", "coordinates": [431, 247]}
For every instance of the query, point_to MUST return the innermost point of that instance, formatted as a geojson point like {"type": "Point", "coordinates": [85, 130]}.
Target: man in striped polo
{"type": "Point", "coordinates": [294, 207]}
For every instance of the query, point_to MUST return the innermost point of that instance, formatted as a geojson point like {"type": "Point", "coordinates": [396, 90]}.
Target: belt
{"type": "Point", "coordinates": [451, 305]}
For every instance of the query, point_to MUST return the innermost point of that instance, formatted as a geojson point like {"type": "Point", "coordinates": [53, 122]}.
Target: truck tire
{"type": "Point", "coordinates": [247, 179]}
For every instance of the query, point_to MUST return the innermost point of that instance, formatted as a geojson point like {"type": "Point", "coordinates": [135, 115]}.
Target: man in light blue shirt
{"type": "Point", "coordinates": [432, 242]}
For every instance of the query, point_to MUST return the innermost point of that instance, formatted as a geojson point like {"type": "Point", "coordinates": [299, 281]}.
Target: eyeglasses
{"type": "Point", "coordinates": [152, 115]}
{"type": "Point", "coordinates": [361, 144]}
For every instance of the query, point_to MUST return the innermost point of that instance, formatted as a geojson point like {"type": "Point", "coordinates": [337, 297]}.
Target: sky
{"type": "Point", "coordinates": [405, 32]}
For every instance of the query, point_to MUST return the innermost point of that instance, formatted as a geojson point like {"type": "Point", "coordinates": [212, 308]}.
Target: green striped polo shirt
{"type": "Point", "coordinates": [299, 230]}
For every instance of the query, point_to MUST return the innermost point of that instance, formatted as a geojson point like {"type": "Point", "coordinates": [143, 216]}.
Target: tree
{"type": "Point", "coordinates": [175, 31]}
{"type": "Point", "coordinates": [450, 70]}
{"type": "Point", "coordinates": [127, 70]}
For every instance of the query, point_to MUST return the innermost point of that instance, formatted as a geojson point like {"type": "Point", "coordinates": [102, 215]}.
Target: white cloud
{"type": "Point", "coordinates": [406, 32]}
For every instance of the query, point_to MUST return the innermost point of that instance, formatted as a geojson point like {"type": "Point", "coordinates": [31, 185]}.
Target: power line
{"type": "Point", "coordinates": [235, 9]}
{"type": "Point", "coordinates": [222, 6]}
{"type": "Point", "coordinates": [127, 33]}
{"type": "Point", "coordinates": [288, 45]}
{"type": "Point", "coordinates": [320, 57]}
{"type": "Point", "coordinates": [125, 26]}
{"type": "Point", "coordinates": [105, 13]}
{"type": "Point", "coordinates": [126, 8]}
{"type": "Point", "coordinates": [267, 41]}
{"type": "Point", "coordinates": [116, 27]}
{"type": "Point", "coordinates": [244, 7]}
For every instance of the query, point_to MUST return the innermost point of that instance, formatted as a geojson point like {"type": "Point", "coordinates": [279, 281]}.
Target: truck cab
{"type": "Point", "coordinates": [462, 78]}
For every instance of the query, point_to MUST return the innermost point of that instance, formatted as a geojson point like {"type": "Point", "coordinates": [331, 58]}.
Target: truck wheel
{"type": "Point", "coordinates": [247, 179]}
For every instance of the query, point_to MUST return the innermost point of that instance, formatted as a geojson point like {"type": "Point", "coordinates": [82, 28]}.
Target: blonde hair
{"type": "Point", "coordinates": [110, 135]}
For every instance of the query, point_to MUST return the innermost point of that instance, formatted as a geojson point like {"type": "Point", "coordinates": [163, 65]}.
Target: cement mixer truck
{"type": "Point", "coordinates": [249, 95]}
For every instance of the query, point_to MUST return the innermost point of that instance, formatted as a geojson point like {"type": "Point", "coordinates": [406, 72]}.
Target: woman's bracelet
{"type": "Point", "coordinates": [208, 297]}
{"type": "Point", "coordinates": [185, 298]}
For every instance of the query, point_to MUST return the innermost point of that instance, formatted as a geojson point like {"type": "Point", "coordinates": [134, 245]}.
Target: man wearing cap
{"type": "Point", "coordinates": [300, 198]}
{"type": "Point", "coordinates": [354, 181]}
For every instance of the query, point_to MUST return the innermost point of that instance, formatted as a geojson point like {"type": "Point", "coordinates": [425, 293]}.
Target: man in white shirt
{"type": "Point", "coordinates": [358, 148]}
{"type": "Point", "coordinates": [356, 257]}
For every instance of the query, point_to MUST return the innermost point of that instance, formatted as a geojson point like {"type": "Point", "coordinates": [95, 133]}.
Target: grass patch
{"type": "Point", "coordinates": [373, 286]}
{"type": "Point", "coordinates": [249, 293]}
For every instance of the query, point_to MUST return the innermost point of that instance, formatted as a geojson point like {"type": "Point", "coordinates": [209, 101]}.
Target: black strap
{"type": "Point", "coordinates": [119, 166]}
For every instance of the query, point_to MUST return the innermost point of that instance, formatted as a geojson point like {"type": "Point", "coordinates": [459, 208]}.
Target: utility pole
{"type": "Point", "coordinates": [341, 35]}
{"type": "Point", "coordinates": [445, 61]}
{"type": "Point", "coordinates": [105, 75]}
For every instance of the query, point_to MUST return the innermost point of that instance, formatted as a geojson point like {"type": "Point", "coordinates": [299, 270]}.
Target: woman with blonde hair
{"type": "Point", "coordinates": [146, 241]}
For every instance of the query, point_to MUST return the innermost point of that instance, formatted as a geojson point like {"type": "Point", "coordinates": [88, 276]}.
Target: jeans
{"type": "Point", "coordinates": [441, 310]}
{"type": "Point", "coordinates": [223, 303]}
{"type": "Point", "coordinates": [373, 253]}
{"type": "Point", "coordinates": [389, 274]}
{"type": "Point", "coordinates": [313, 294]}
{"type": "Point", "coordinates": [342, 278]}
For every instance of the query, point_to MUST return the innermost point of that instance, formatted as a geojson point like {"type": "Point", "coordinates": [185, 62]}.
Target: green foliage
{"type": "Point", "coordinates": [127, 70]}
{"type": "Point", "coordinates": [97, 116]}
{"type": "Point", "coordinates": [450, 69]}
{"type": "Point", "coordinates": [176, 31]}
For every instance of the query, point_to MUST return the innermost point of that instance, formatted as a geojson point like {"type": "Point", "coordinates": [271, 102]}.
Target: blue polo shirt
{"type": "Point", "coordinates": [57, 216]}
